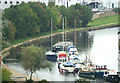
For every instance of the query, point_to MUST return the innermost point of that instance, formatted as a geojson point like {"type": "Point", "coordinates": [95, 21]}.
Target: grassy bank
{"type": "Point", "coordinates": [96, 22]}
{"type": "Point", "coordinates": [104, 21]}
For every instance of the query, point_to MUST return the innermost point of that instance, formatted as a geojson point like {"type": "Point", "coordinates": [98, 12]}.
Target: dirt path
{"type": "Point", "coordinates": [18, 74]}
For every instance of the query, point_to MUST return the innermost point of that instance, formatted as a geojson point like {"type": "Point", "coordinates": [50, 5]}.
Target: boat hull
{"type": "Point", "coordinates": [88, 75]}
{"type": "Point", "coordinates": [99, 75]}
{"type": "Point", "coordinates": [52, 58]}
{"type": "Point", "coordinates": [112, 78]}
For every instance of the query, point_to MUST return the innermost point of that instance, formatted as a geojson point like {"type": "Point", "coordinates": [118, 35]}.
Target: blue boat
{"type": "Point", "coordinates": [112, 76]}
{"type": "Point", "coordinates": [51, 56]}
{"type": "Point", "coordinates": [76, 63]}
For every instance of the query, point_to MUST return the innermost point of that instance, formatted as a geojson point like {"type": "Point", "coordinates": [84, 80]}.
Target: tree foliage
{"type": "Point", "coordinates": [29, 19]}
{"type": "Point", "coordinates": [9, 30]}
{"type": "Point", "coordinates": [33, 59]}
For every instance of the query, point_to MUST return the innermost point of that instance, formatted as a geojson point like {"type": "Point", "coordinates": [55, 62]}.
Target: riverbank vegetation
{"type": "Point", "coordinates": [6, 75]}
{"type": "Point", "coordinates": [33, 18]}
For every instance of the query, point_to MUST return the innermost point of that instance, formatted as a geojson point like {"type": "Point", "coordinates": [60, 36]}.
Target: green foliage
{"type": "Point", "coordinates": [15, 53]}
{"type": "Point", "coordinates": [116, 10]}
{"type": "Point", "coordinates": [24, 19]}
{"type": "Point", "coordinates": [107, 20]}
{"type": "Point", "coordinates": [85, 14]}
{"type": "Point", "coordinates": [29, 81]}
{"type": "Point", "coordinates": [81, 13]}
{"type": "Point", "coordinates": [8, 30]}
{"type": "Point", "coordinates": [43, 81]}
{"type": "Point", "coordinates": [34, 18]}
{"type": "Point", "coordinates": [6, 75]}
{"type": "Point", "coordinates": [82, 81]}
{"type": "Point", "coordinates": [33, 59]}
{"type": "Point", "coordinates": [51, 4]}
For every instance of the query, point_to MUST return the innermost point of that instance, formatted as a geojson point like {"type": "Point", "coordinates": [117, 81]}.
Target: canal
{"type": "Point", "coordinates": [101, 47]}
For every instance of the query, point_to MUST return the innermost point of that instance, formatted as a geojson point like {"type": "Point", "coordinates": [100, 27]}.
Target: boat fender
{"type": "Point", "coordinates": [62, 70]}
{"type": "Point", "coordinates": [59, 69]}
{"type": "Point", "coordinates": [75, 70]}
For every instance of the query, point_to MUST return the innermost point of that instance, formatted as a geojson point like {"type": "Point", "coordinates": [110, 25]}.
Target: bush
{"type": "Point", "coordinates": [82, 81]}
{"type": "Point", "coordinates": [43, 81]}
{"type": "Point", "coordinates": [6, 75]}
{"type": "Point", "coordinates": [29, 81]}
{"type": "Point", "coordinates": [116, 10]}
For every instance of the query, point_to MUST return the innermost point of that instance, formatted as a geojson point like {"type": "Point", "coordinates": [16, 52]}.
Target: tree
{"type": "Point", "coordinates": [33, 59]}
{"type": "Point", "coordinates": [51, 4]}
{"type": "Point", "coordinates": [24, 19]}
{"type": "Point", "coordinates": [117, 10]}
{"type": "Point", "coordinates": [85, 14]}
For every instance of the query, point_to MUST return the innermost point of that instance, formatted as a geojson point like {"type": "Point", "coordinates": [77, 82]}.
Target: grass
{"type": "Point", "coordinates": [96, 22]}
{"type": "Point", "coordinates": [104, 21]}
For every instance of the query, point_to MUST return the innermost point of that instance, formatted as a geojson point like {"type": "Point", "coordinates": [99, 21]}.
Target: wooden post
{"type": "Point", "coordinates": [75, 32]}
{"type": "Point", "coordinates": [51, 34]}
{"type": "Point", "coordinates": [65, 32]}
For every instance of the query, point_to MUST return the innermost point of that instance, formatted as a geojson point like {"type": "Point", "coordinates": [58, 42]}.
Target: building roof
{"type": "Point", "coordinates": [63, 44]}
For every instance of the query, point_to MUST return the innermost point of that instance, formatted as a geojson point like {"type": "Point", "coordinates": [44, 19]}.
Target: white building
{"type": "Point", "coordinates": [7, 3]}
{"type": "Point", "coordinates": [67, 3]}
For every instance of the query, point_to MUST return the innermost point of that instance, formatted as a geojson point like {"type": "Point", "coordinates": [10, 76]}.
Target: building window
{"type": "Point", "coordinates": [0, 2]}
{"type": "Point", "coordinates": [11, 2]}
{"type": "Point", "coordinates": [17, 2]}
{"type": "Point", "coordinates": [69, 0]}
{"type": "Point", "coordinates": [23, 2]}
{"type": "Point", "coordinates": [58, 1]}
{"type": "Point", "coordinates": [5, 2]}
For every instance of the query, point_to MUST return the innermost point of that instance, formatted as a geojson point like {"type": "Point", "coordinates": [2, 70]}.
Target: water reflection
{"type": "Point", "coordinates": [104, 50]}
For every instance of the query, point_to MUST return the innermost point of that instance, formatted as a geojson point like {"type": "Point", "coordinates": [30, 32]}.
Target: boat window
{"type": "Point", "coordinates": [58, 1]}
{"type": "Point", "coordinates": [22, 1]}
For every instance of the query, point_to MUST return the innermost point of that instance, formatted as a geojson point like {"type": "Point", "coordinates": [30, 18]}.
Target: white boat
{"type": "Point", "coordinates": [72, 52]}
{"type": "Point", "coordinates": [67, 67]}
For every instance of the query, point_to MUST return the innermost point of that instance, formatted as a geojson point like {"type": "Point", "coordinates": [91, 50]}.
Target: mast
{"type": "Point", "coordinates": [51, 34]}
{"type": "Point", "coordinates": [75, 32]}
{"type": "Point", "coordinates": [63, 33]}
